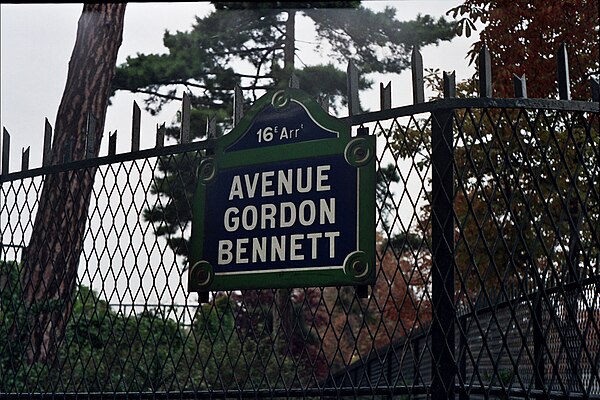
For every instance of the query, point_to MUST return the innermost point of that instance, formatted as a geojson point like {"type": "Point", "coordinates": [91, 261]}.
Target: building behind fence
{"type": "Point", "coordinates": [488, 259]}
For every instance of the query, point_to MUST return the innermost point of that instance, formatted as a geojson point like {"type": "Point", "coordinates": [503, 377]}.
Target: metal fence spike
{"type": "Point", "coordinates": [5, 150]}
{"type": "Point", "coordinates": [595, 89]}
{"type": "Point", "coordinates": [564, 89]}
{"type": "Point", "coordinates": [520, 85]}
{"type": "Point", "coordinates": [160, 135]}
{"type": "Point", "coordinates": [25, 159]}
{"type": "Point", "coordinates": [47, 154]}
{"type": "Point", "coordinates": [112, 143]}
{"type": "Point", "coordinates": [352, 83]}
{"type": "Point", "coordinates": [485, 73]}
{"type": "Point", "coordinates": [418, 84]}
{"type": "Point", "coordinates": [135, 127]}
{"type": "Point", "coordinates": [449, 85]}
{"type": "Point", "coordinates": [186, 109]}
{"type": "Point", "coordinates": [238, 104]}
{"type": "Point", "coordinates": [385, 96]}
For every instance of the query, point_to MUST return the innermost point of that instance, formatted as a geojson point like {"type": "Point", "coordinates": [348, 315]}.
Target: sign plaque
{"type": "Point", "coordinates": [287, 200]}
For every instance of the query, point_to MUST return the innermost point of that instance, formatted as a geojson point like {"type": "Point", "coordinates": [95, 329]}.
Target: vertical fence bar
{"type": "Point", "coordinates": [5, 150]}
{"type": "Point", "coordinates": [449, 85]}
{"type": "Point", "coordinates": [352, 82]}
{"type": "Point", "coordinates": [595, 89]}
{"type": "Point", "coordinates": [444, 313]}
{"type": "Point", "coordinates": [562, 70]}
{"type": "Point", "coordinates": [186, 109]}
{"type": "Point", "coordinates": [485, 73]}
{"type": "Point", "coordinates": [112, 143]}
{"type": "Point", "coordinates": [385, 96]}
{"type": "Point", "coordinates": [362, 291]}
{"type": "Point", "coordinates": [418, 84]}
{"type": "Point", "coordinates": [25, 159]}
{"type": "Point", "coordinates": [47, 143]}
{"type": "Point", "coordinates": [520, 85]}
{"type": "Point", "coordinates": [160, 135]}
{"type": "Point", "coordinates": [135, 128]}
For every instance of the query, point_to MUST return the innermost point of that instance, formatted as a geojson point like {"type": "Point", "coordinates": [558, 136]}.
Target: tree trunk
{"type": "Point", "coordinates": [290, 42]}
{"type": "Point", "coordinates": [51, 259]}
{"type": "Point", "coordinates": [282, 313]}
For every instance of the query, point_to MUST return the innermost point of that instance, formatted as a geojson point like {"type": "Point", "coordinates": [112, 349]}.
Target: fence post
{"type": "Point", "coordinates": [444, 313]}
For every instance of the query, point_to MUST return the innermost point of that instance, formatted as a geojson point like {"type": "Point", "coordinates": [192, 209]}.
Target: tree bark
{"type": "Point", "coordinates": [290, 42]}
{"type": "Point", "coordinates": [51, 259]}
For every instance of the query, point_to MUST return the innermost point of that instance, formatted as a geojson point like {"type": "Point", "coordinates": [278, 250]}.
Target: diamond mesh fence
{"type": "Point", "coordinates": [488, 238]}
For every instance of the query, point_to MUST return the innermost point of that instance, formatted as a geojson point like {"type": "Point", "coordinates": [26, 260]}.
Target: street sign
{"type": "Point", "coordinates": [287, 200]}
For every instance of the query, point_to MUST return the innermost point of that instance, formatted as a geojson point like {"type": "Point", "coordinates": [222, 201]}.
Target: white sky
{"type": "Point", "coordinates": [37, 41]}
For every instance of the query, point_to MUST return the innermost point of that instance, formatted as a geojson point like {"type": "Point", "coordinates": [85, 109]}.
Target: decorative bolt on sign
{"type": "Point", "coordinates": [288, 200]}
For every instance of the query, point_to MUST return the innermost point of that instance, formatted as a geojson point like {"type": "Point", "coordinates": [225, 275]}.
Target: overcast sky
{"type": "Point", "coordinates": [37, 41]}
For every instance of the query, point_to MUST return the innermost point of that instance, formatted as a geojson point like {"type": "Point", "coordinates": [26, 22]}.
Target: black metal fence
{"type": "Point", "coordinates": [488, 280]}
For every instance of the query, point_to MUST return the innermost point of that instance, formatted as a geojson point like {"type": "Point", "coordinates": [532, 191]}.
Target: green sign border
{"type": "Point", "coordinates": [359, 266]}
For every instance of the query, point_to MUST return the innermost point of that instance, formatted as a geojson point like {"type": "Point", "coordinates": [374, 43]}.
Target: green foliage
{"type": "Point", "coordinates": [523, 177]}
{"type": "Point", "coordinates": [108, 351]}
{"type": "Point", "coordinates": [16, 375]}
{"type": "Point", "coordinates": [200, 61]}
{"type": "Point", "coordinates": [254, 34]}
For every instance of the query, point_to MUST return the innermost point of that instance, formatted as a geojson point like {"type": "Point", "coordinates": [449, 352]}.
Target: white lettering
{"type": "Point", "coordinates": [231, 223]}
{"type": "Point", "coordinates": [241, 251]}
{"type": "Point", "coordinates": [283, 223]}
{"type": "Point", "coordinates": [267, 212]}
{"type": "Point", "coordinates": [236, 188]}
{"type": "Point", "coordinates": [308, 187]}
{"type": "Point", "coordinates": [284, 248]}
{"type": "Point", "coordinates": [295, 247]}
{"type": "Point", "coordinates": [284, 181]}
{"type": "Point", "coordinates": [259, 249]}
{"type": "Point", "coordinates": [327, 211]}
{"type": "Point", "coordinates": [251, 224]}
{"type": "Point", "coordinates": [284, 134]}
{"type": "Point", "coordinates": [311, 212]}
{"type": "Point", "coordinates": [266, 183]}
{"type": "Point", "coordinates": [313, 238]}
{"type": "Point", "coordinates": [225, 256]}
{"type": "Point", "coordinates": [251, 186]}
{"type": "Point", "coordinates": [332, 236]}
{"type": "Point", "coordinates": [322, 177]}
{"type": "Point", "coordinates": [278, 248]}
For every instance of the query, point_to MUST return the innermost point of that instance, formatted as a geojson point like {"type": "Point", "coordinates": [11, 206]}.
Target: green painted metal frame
{"type": "Point", "coordinates": [359, 267]}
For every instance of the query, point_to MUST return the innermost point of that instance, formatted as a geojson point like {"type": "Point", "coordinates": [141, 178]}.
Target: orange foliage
{"type": "Point", "coordinates": [524, 36]}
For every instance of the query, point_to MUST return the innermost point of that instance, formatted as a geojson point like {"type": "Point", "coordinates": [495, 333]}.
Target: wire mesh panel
{"type": "Point", "coordinates": [510, 194]}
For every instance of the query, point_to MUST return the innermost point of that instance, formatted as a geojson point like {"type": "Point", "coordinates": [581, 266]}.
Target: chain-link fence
{"type": "Point", "coordinates": [488, 279]}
